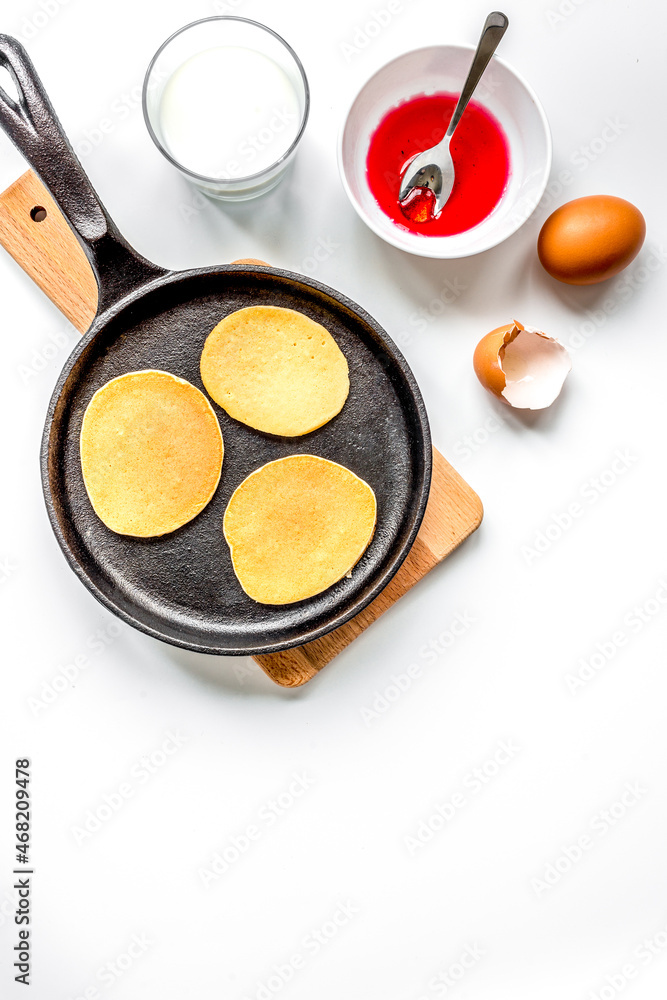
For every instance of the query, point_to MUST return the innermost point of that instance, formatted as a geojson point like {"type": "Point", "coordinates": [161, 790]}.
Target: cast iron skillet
{"type": "Point", "coordinates": [181, 588]}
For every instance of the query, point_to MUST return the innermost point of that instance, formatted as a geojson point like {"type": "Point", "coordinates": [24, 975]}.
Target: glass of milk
{"type": "Point", "coordinates": [226, 100]}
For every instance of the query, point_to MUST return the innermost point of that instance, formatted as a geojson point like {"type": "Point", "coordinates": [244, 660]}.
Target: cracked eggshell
{"type": "Point", "coordinates": [522, 366]}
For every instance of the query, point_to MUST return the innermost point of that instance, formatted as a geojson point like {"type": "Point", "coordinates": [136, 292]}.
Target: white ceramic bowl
{"type": "Point", "coordinates": [502, 92]}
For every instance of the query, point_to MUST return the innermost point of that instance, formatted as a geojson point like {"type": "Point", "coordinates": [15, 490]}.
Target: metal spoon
{"type": "Point", "coordinates": [434, 168]}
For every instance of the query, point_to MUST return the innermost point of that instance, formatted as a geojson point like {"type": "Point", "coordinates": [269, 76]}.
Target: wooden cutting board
{"type": "Point", "coordinates": [34, 232]}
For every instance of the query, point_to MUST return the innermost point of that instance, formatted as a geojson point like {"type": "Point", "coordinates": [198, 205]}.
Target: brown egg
{"type": "Point", "coordinates": [591, 239]}
{"type": "Point", "coordinates": [521, 366]}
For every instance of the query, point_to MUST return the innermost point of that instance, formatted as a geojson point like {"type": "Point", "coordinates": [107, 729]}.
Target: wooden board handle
{"type": "Point", "coordinates": [48, 251]}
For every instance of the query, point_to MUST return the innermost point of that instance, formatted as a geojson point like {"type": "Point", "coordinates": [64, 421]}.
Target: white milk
{"type": "Point", "coordinates": [229, 112]}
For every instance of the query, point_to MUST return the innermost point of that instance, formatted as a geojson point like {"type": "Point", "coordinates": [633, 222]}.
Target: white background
{"type": "Point", "coordinates": [374, 779]}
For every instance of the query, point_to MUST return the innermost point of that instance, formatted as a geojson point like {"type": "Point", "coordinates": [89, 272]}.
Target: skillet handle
{"type": "Point", "coordinates": [33, 127]}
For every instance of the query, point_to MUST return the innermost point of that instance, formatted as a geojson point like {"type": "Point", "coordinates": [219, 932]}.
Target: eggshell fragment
{"type": "Point", "coordinates": [522, 366]}
{"type": "Point", "coordinates": [590, 239]}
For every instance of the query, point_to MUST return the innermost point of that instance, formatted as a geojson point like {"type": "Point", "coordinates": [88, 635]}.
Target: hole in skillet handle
{"type": "Point", "coordinates": [38, 213]}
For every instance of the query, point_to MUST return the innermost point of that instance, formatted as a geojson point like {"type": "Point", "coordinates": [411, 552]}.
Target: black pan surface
{"type": "Point", "coordinates": [182, 587]}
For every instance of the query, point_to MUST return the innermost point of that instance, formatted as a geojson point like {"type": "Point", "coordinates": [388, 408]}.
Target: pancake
{"type": "Point", "coordinates": [151, 453]}
{"type": "Point", "coordinates": [296, 526]}
{"type": "Point", "coordinates": [276, 370]}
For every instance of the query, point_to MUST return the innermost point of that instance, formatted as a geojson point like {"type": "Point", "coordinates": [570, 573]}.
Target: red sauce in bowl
{"type": "Point", "coordinates": [481, 163]}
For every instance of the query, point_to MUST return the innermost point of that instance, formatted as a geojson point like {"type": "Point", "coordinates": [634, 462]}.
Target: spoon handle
{"type": "Point", "coordinates": [495, 27]}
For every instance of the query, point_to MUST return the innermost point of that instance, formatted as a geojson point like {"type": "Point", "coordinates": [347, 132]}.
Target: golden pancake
{"type": "Point", "coordinates": [151, 453]}
{"type": "Point", "coordinates": [296, 526]}
{"type": "Point", "coordinates": [275, 370]}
